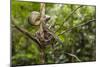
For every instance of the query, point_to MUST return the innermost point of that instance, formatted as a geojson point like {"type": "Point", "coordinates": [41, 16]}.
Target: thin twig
{"type": "Point", "coordinates": [80, 25]}
{"type": "Point", "coordinates": [68, 17]}
{"type": "Point", "coordinates": [73, 56]}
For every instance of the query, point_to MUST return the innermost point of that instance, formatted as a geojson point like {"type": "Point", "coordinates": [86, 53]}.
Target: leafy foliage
{"type": "Point", "coordinates": [79, 40]}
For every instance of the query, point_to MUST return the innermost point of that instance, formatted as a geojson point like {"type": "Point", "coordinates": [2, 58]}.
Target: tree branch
{"type": "Point", "coordinates": [69, 17]}
{"type": "Point", "coordinates": [80, 25]}
{"type": "Point", "coordinates": [23, 31]}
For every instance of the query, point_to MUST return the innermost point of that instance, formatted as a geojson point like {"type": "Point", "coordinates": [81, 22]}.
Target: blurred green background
{"type": "Point", "coordinates": [79, 42]}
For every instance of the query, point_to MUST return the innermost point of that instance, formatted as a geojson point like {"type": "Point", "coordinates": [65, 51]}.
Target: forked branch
{"type": "Point", "coordinates": [69, 16]}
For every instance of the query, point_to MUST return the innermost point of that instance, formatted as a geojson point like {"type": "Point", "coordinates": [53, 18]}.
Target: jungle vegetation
{"type": "Point", "coordinates": [74, 24]}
